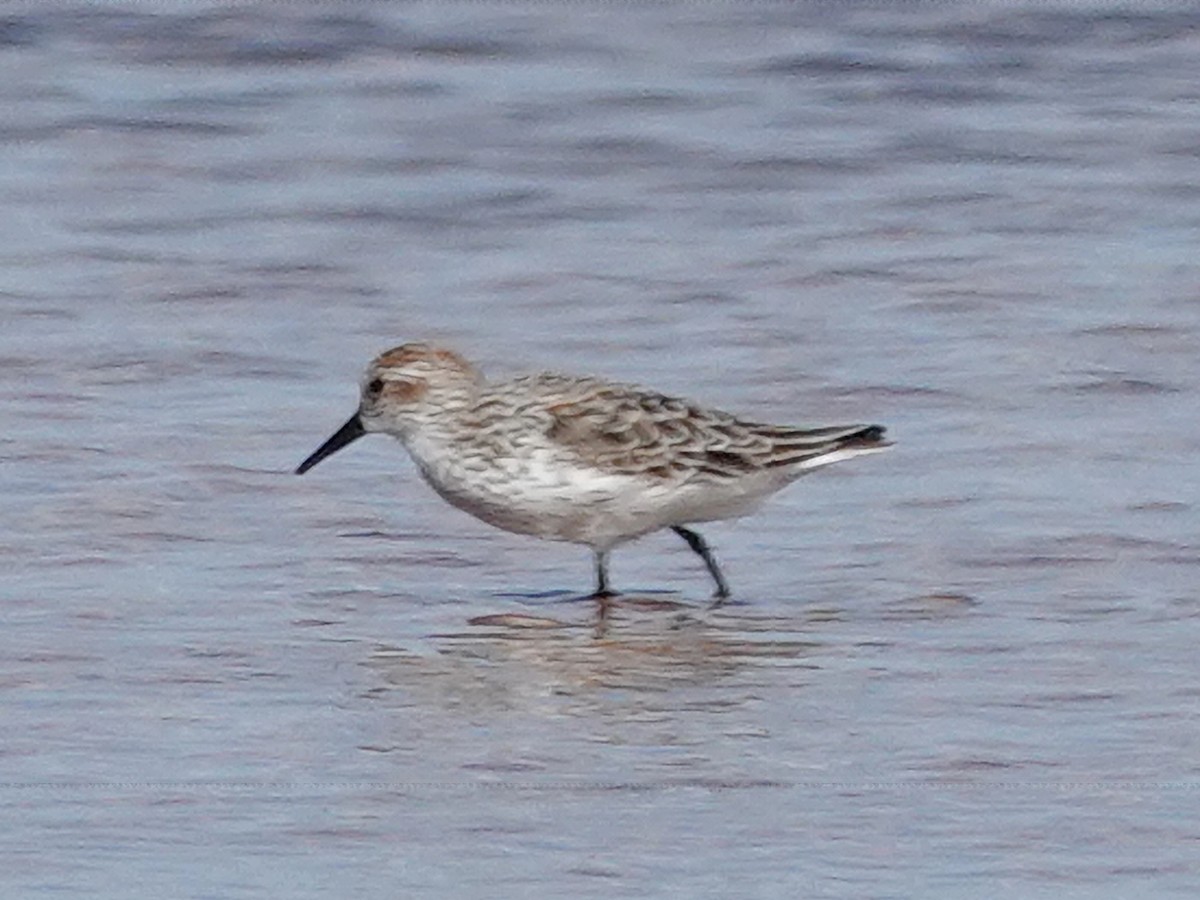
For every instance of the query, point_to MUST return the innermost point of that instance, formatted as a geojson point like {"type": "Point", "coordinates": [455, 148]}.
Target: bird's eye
{"type": "Point", "coordinates": [375, 386]}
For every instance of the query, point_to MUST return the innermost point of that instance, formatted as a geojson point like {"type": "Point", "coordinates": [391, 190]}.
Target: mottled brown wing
{"type": "Point", "coordinates": [622, 428]}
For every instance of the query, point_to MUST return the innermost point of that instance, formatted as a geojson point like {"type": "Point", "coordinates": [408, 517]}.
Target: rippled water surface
{"type": "Point", "coordinates": [965, 668]}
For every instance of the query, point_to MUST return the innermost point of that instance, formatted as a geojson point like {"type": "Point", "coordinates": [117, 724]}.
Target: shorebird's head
{"type": "Point", "coordinates": [402, 390]}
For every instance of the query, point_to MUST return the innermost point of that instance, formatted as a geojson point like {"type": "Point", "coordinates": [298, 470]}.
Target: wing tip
{"type": "Point", "coordinates": [869, 436]}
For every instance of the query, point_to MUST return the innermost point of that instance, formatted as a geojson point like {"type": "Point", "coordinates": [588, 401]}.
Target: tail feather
{"type": "Point", "coordinates": [810, 448]}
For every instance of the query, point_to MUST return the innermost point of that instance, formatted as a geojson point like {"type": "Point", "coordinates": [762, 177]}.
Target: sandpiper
{"type": "Point", "coordinates": [581, 459]}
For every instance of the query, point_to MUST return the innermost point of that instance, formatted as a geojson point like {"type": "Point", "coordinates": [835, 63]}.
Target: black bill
{"type": "Point", "coordinates": [347, 434]}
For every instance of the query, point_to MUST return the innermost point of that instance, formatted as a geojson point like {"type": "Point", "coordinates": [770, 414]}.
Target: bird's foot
{"type": "Point", "coordinates": [719, 599]}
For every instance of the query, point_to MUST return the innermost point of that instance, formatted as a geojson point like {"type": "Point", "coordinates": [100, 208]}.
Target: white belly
{"type": "Point", "coordinates": [546, 497]}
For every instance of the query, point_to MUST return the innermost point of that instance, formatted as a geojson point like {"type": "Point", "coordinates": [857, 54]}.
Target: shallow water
{"type": "Point", "coordinates": [967, 664]}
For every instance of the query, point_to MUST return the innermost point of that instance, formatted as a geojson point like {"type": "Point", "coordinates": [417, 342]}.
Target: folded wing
{"type": "Point", "coordinates": [623, 428]}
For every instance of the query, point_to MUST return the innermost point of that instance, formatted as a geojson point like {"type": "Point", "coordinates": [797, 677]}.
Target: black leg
{"type": "Point", "coordinates": [602, 589]}
{"type": "Point", "coordinates": [697, 544]}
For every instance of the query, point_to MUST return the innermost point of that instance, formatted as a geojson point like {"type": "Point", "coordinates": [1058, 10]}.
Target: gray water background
{"type": "Point", "coordinates": [965, 668]}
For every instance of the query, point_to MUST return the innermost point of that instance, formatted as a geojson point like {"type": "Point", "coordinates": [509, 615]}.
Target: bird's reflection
{"type": "Point", "coordinates": [605, 612]}
{"type": "Point", "coordinates": [626, 651]}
